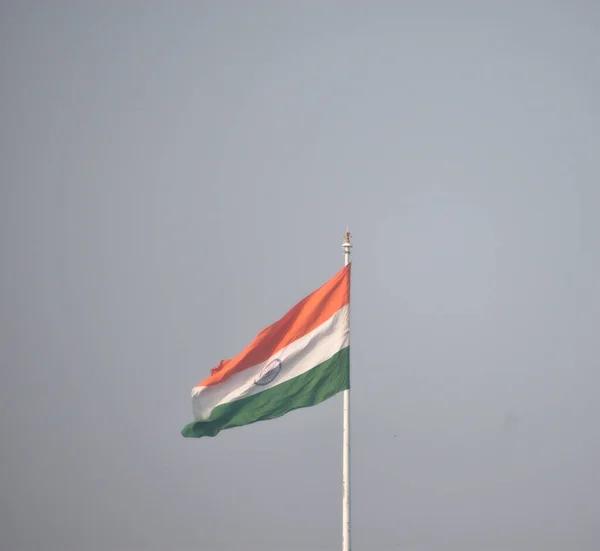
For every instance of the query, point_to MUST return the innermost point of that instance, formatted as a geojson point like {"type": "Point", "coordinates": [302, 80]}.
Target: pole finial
{"type": "Point", "coordinates": [347, 246]}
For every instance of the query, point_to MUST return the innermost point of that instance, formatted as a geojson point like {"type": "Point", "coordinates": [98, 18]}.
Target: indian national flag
{"type": "Point", "coordinates": [298, 361]}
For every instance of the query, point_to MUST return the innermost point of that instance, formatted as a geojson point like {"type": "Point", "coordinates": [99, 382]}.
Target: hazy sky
{"type": "Point", "coordinates": [174, 176]}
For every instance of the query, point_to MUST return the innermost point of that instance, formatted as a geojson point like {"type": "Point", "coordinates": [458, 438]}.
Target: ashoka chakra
{"type": "Point", "coordinates": [268, 373]}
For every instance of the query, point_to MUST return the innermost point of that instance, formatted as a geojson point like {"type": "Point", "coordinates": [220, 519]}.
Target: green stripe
{"type": "Point", "coordinates": [308, 389]}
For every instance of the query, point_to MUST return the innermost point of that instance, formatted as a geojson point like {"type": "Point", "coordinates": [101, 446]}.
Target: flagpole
{"type": "Point", "coordinates": [346, 444]}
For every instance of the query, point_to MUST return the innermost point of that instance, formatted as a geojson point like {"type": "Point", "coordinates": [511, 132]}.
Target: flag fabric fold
{"type": "Point", "coordinates": [299, 361]}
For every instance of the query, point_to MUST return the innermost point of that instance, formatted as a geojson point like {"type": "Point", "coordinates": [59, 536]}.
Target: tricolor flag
{"type": "Point", "coordinates": [299, 361]}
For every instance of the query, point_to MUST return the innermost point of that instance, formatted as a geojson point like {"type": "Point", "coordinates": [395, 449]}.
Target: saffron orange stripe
{"type": "Point", "coordinates": [303, 318]}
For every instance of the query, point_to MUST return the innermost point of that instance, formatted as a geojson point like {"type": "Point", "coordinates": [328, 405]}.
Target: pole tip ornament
{"type": "Point", "coordinates": [347, 245]}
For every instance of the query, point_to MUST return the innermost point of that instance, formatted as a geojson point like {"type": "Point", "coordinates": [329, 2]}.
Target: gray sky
{"type": "Point", "coordinates": [174, 178]}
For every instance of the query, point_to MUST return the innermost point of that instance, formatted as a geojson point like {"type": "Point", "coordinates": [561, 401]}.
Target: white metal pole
{"type": "Point", "coordinates": [346, 445]}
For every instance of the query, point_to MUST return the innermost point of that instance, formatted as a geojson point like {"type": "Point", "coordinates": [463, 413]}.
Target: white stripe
{"type": "Point", "coordinates": [296, 358]}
